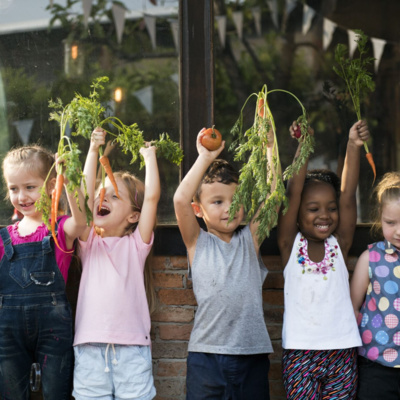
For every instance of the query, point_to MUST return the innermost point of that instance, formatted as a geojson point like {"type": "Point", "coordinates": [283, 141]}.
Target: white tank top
{"type": "Point", "coordinates": [318, 311]}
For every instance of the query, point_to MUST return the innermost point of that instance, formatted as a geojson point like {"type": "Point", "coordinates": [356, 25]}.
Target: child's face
{"type": "Point", "coordinates": [116, 213]}
{"type": "Point", "coordinates": [390, 220]}
{"type": "Point", "coordinates": [318, 214]}
{"type": "Point", "coordinates": [24, 190]}
{"type": "Point", "coordinates": [215, 200]}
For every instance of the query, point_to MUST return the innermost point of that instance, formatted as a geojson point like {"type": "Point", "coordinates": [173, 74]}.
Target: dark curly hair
{"type": "Point", "coordinates": [324, 175]}
{"type": "Point", "coordinates": [219, 171]}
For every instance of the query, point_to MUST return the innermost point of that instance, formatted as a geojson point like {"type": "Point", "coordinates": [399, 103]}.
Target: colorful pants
{"type": "Point", "coordinates": [320, 374]}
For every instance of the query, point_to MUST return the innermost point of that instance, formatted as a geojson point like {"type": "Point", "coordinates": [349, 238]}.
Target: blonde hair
{"type": "Point", "coordinates": [387, 190]}
{"type": "Point", "coordinates": [136, 197]}
{"type": "Point", "coordinates": [36, 159]}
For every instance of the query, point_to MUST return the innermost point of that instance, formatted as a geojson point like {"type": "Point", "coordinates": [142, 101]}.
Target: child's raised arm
{"type": "Point", "coordinates": [287, 224]}
{"type": "Point", "coordinates": [359, 282]}
{"type": "Point", "coordinates": [183, 197]}
{"type": "Point", "coordinates": [152, 191]}
{"type": "Point", "coordinates": [358, 134]}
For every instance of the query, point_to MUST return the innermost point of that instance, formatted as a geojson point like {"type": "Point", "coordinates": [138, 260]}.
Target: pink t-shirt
{"type": "Point", "coordinates": [63, 259]}
{"type": "Point", "coordinates": [112, 305]}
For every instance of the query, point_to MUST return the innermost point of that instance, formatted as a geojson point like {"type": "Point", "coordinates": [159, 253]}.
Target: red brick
{"type": "Point", "coordinates": [273, 263]}
{"type": "Point", "coordinates": [175, 332]}
{"type": "Point", "coordinates": [171, 368]}
{"type": "Point", "coordinates": [173, 314]}
{"type": "Point", "coordinates": [273, 297]}
{"type": "Point", "coordinates": [177, 296]}
{"type": "Point", "coordinates": [274, 280]}
{"type": "Point", "coordinates": [189, 283]}
{"type": "Point", "coordinates": [275, 331]}
{"type": "Point", "coordinates": [166, 280]}
{"type": "Point", "coordinates": [162, 350]}
{"type": "Point", "coordinates": [170, 388]}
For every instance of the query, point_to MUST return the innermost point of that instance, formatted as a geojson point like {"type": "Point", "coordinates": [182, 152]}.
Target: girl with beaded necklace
{"type": "Point", "coordinates": [375, 293]}
{"type": "Point", "coordinates": [320, 332]}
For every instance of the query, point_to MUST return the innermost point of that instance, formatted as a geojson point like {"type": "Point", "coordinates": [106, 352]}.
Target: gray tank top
{"type": "Point", "coordinates": [227, 283]}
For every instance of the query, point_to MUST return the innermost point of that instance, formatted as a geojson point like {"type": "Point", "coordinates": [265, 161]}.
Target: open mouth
{"type": "Point", "coordinates": [103, 211]}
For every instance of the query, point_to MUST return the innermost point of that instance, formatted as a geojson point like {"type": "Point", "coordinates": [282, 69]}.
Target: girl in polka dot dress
{"type": "Point", "coordinates": [375, 293]}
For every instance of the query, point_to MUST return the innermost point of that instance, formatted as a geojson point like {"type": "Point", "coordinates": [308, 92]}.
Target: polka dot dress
{"type": "Point", "coordinates": [378, 320]}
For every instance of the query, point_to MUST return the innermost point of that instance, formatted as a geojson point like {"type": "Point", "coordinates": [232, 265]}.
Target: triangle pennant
{"type": "Point", "coordinates": [329, 28]}
{"type": "Point", "coordinates": [256, 13]}
{"type": "Point", "coordinates": [273, 6]}
{"type": "Point", "coordinates": [119, 20]}
{"type": "Point", "coordinates": [24, 128]}
{"type": "Point", "coordinates": [145, 96]}
{"type": "Point", "coordinates": [150, 22]}
{"type": "Point", "coordinates": [308, 15]}
{"type": "Point", "coordinates": [290, 6]}
{"type": "Point", "coordinates": [378, 46]}
{"type": "Point", "coordinates": [175, 32]}
{"type": "Point", "coordinates": [87, 8]}
{"type": "Point", "coordinates": [238, 21]}
{"type": "Point", "coordinates": [221, 25]}
{"type": "Point", "coordinates": [352, 42]}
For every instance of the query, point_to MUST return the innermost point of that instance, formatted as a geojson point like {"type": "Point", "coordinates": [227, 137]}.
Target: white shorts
{"type": "Point", "coordinates": [105, 372]}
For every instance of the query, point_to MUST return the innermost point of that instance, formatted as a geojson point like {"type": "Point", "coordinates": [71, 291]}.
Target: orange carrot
{"type": "Point", "coordinates": [102, 195]}
{"type": "Point", "coordinates": [371, 163]}
{"type": "Point", "coordinates": [105, 162]}
{"type": "Point", "coordinates": [261, 108]}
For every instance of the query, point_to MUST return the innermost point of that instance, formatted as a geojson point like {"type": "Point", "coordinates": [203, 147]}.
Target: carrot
{"type": "Point", "coordinates": [371, 163]}
{"type": "Point", "coordinates": [55, 200]}
{"type": "Point", "coordinates": [105, 162]}
{"type": "Point", "coordinates": [102, 195]}
{"type": "Point", "coordinates": [261, 108]}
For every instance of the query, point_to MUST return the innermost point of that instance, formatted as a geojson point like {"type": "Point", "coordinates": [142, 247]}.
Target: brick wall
{"type": "Point", "coordinates": [173, 321]}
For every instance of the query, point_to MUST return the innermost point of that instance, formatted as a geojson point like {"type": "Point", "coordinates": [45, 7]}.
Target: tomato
{"type": "Point", "coordinates": [211, 139]}
{"type": "Point", "coordinates": [297, 132]}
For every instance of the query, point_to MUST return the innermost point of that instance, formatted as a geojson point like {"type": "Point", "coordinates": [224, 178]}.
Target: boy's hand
{"type": "Point", "coordinates": [359, 133]}
{"type": "Point", "coordinates": [202, 150]}
{"type": "Point", "coordinates": [295, 130]}
{"type": "Point", "coordinates": [97, 139]}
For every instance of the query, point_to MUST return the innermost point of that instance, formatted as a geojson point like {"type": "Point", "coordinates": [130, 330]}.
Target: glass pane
{"type": "Point", "coordinates": [292, 47]}
{"type": "Point", "coordinates": [39, 61]}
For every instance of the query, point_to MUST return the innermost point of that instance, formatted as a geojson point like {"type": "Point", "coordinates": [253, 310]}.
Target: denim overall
{"type": "Point", "coordinates": [35, 321]}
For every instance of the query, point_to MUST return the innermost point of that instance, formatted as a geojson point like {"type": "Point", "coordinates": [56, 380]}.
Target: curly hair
{"type": "Point", "coordinates": [324, 175]}
{"type": "Point", "coordinates": [219, 171]}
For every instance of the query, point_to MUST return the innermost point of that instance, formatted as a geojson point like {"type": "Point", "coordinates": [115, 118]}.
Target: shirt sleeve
{"type": "Point", "coordinates": [142, 247]}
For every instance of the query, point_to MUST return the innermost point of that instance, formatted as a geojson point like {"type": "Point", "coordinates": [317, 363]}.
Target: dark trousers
{"type": "Point", "coordinates": [377, 382]}
{"type": "Point", "coordinates": [227, 377]}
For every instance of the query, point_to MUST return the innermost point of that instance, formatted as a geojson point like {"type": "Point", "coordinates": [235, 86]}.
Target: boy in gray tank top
{"type": "Point", "coordinates": [229, 343]}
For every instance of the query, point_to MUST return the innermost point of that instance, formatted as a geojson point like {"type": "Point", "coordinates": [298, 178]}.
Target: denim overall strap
{"type": "Point", "coordinates": [8, 249]}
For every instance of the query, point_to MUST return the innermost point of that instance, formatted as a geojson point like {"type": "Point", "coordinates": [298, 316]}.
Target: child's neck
{"type": "Point", "coordinates": [28, 226]}
{"type": "Point", "coordinates": [316, 250]}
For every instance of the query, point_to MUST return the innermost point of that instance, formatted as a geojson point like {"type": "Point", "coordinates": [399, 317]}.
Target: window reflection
{"type": "Point", "coordinates": [49, 52]}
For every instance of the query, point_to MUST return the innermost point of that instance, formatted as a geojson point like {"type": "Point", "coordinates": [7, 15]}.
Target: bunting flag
{"type": "Point", "coordinates": [329, 28]}
{"type": "Point", "coordinates": [308, 15]}
{"type": "Point", "coordinates": [87, 8]}
{"type": "Point", "coordinates": [119, 20]}
{"type": "Point", "coordinates": [273, 7]}
{"type": "Point", "coordinates": [175, 32]}
{"type": "Point", "coordinates": [238, 21]}
{"type": "Point", "coordinates": [290, 6]}
{"type": "Point", "coordinates": [352, 42]}
{"type": "Point", "coordinates": [378, 46]}
{"type": "Point", "coordinates": [256, 13]}
{"type": "Point", "coordinates": [150, 22]}
{"type": "Point", "coordinates": [221, 25]}
{"type": "Point", "coordinates": [24, 128]}
{"type": "Point", "coordinates": [175, 78]}
{"type": "Point", "coordinates": [145, 96]}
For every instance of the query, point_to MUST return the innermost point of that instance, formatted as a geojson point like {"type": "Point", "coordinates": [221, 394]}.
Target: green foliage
{"type": "Point", "coordinates": [354, 71]}
{"type": "Point", "coordinates": [43, 205]}
{"type": "Point", "coordinates": [260, 189]}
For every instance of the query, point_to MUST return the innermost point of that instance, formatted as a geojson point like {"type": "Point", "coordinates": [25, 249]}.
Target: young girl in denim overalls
{"type": "Point", "coordinates": [35, 317]}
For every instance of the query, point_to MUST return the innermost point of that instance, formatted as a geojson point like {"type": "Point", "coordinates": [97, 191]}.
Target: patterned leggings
{"type": "Point", "coordinates": [320, 374]}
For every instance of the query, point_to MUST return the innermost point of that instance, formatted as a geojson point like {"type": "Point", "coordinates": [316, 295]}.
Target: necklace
{"type": "Point", "coordinates": [322, 267]}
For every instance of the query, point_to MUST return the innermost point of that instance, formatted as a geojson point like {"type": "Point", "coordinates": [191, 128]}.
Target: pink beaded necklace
{"type": "Point", "coordinates": [322, 267]}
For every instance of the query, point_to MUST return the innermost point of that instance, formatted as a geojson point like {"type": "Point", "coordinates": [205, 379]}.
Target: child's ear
{"type": "Point", "coordinates": [197, 210]}
{"type": "Point", "coordinates": [134, 217]}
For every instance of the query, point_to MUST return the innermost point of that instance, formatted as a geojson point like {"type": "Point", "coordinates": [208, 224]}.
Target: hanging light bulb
{"type": "Point", "coordinates": [118, 95]}
{"type": "Point", "coordinates": [74, 51]}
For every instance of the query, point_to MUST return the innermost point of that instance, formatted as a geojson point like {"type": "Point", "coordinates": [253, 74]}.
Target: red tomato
{"type": "Point", "coordinates": [211, 139]}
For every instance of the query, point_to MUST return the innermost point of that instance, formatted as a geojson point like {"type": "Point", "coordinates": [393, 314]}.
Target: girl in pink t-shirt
{"type": "Point", "coordinates": [35, 316]}
{"type": "Point", "coordinates": [112, 327]}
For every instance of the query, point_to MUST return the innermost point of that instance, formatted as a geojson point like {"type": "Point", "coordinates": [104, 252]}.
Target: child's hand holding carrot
{"type": "Point", "coordinates": [359, 133]}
